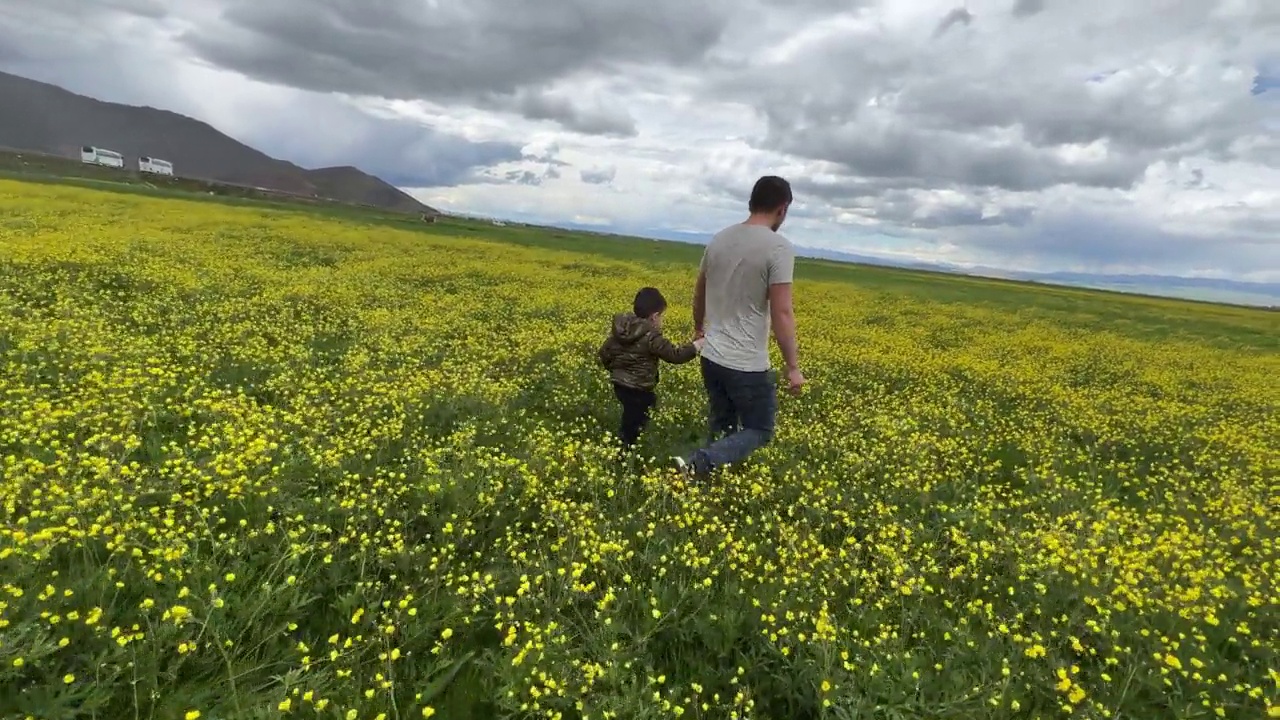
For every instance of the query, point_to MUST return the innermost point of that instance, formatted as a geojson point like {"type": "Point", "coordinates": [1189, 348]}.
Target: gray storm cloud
{"type": "Point", "coordinates": [979, 127]}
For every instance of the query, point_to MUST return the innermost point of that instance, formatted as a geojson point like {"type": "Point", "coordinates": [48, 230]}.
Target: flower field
{"type": "Point", "coordinates": [264, 463]}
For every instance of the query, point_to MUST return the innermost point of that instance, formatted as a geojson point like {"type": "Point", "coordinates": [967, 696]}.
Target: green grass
{"type": "Point", "coordinates": [1125, 313]}
{"type": "Point", "coordinates": [299, 425]}
{"type": "Point", "coordinates": [1128, 314]}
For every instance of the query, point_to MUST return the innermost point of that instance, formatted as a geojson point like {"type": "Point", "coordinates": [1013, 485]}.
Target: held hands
{"type": "Point", "coordinates": [698, 342]}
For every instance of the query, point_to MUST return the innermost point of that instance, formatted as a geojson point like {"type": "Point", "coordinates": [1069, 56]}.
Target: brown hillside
{"type": "Point", "coordinates": [360, 187]}
{"type": "Point", "coordinates": [43, 117]}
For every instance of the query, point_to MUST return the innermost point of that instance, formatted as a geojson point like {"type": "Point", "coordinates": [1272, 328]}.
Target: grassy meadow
{"type": "Point", "coordinates": [261, 463]}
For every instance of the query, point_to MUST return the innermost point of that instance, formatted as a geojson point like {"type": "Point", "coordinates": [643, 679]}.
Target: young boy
{"type": "Point", "coordinates": [631, 355]}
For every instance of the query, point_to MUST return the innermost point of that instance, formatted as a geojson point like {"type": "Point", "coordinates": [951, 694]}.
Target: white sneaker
{"type": "Point", "coordinates": [688, 472]}
{"type": "Point", "coordinates": [684, 467]}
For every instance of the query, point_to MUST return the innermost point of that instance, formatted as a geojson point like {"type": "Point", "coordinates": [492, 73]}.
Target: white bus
{"type": "Point", "coordinates": [155, 165]}
{"type": "Point", "coordinates": [98, 156]}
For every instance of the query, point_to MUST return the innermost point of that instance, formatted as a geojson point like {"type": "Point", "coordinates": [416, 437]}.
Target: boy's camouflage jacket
{"type": "Point", "coordinates": [632, 350]}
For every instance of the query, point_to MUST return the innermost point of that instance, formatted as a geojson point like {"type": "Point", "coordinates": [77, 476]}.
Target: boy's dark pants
{"type": "Point", "coordinates": [636, 407]}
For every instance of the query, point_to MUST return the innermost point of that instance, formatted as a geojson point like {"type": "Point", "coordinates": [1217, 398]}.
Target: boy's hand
{"type": "Point", "coordinates": [698, 342]}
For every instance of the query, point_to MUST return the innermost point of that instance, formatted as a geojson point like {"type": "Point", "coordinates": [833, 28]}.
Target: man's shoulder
{"type": "Point", "coordinates": [774, 237]}
{"type": "Point", "coordinates": [757, 234]}
{"type": "Point", "coordinates": [723, 234]}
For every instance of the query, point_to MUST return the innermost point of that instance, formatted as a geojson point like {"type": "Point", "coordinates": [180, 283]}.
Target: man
{"type": "Point", "coordinates": [743, 290]}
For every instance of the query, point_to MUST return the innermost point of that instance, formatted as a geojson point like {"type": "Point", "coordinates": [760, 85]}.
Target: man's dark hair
{"type": "Point", "coordinates": [648, 301]}
{"type": "Point", "coordinates": [770, 193]}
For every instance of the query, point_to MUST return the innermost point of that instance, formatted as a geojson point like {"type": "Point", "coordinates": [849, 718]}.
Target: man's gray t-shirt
{"type": "Point", "coordinates": [740, 263]}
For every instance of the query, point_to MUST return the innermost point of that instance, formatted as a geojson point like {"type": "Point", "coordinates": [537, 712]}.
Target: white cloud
{"type": "Point", "coordinates": [1038, 134]}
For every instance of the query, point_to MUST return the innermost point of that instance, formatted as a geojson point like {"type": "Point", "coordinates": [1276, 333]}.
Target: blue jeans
{"type": "Point", "coordinates": [742, 408]}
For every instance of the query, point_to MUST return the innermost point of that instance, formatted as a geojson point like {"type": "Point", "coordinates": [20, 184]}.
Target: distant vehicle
{"type": "Point", "coordinates": [155, 165]}
{"type": "Point", "coordinates": [99, 156]}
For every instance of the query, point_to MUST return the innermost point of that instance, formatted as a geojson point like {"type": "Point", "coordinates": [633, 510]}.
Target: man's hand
{"type": "Point", "coordinates": [698, 342]}
{"type": "Point", "coordinates": [795, 380]}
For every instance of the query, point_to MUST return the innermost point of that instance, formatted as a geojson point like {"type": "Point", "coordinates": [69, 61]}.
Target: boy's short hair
{"type": "Point", "coordinates": [648, 301]}
{"type": "Point", "coordinates": [770, 193]}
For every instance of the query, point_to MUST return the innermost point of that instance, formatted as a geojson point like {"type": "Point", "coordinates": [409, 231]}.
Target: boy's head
{"type": "Point", "coordinates": [649, 304]}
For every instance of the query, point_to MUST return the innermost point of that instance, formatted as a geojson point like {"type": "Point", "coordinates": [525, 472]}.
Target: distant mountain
{"type": "Point", "coordinates": [355, 185]}
{"type": "Point", "coordinates": [1264, 294]}
{"type": "Point", "coordinates": [46, 118]}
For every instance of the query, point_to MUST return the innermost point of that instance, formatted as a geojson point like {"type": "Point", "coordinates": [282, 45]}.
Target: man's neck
{"type": "Point", "coordinates": [764, 220]}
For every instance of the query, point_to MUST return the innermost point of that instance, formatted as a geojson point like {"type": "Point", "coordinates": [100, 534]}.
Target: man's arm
{"type": "Point", "coordinates": [783, 318]}
{"type": "Point", "coordinates": [700, 301]}
{"type": "Point", "coordinates": [782, 263]}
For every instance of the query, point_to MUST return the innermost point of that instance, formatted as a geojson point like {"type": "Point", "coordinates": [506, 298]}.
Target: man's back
{"type": "Point", "coordinates": [740, 263]}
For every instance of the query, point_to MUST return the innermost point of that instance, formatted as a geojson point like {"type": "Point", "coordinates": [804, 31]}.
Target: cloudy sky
{"type": "Point", "coordinates": [1141, 135]}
